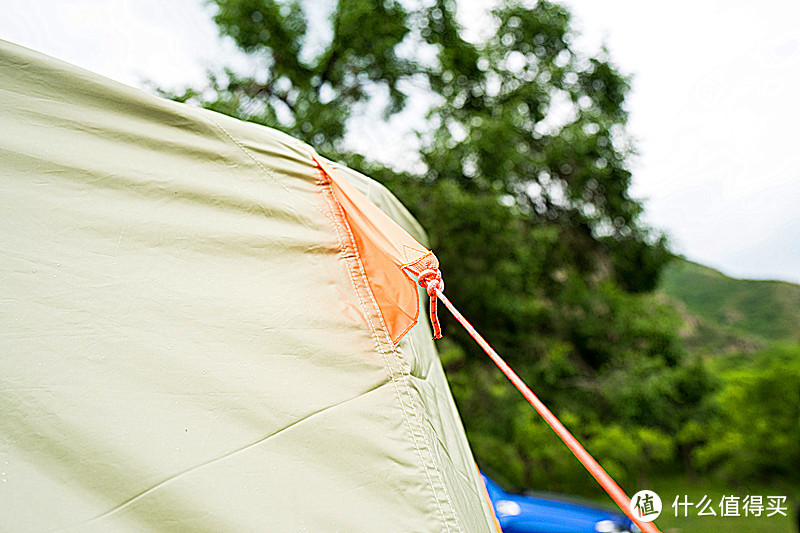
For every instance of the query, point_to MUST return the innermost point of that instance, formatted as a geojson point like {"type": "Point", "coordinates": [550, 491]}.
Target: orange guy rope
{"type": "Point", "coordinates": [610, 486]}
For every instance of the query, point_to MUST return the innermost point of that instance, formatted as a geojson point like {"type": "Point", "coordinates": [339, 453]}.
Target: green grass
{"type": "Point", "coordinates": [725, 315]}
{"type": "Point", "coordinates": [669, 488]}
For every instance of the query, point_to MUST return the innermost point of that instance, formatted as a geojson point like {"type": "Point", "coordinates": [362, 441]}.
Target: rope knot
{"type": "Point", "coordinates": [431, 280]}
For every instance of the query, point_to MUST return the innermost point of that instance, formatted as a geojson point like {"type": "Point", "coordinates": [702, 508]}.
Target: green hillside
{"type": "Point", "coordinates": [725, 314]}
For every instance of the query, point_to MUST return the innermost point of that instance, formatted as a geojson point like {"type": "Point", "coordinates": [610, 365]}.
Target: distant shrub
{"type": "Point", "coordinates": [756, 434]}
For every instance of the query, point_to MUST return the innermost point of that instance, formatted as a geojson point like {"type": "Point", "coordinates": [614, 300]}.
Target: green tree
{"type": "Point", "coordinates": [309, 99]}
{"type": "Point", "coordinates": [756, 433]}
{"type": "Point", "coordinates": [524, 190]}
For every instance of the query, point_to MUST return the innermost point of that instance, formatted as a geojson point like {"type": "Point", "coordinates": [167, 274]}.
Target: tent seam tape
{"type": "Point", "coordinates": [360, 268]}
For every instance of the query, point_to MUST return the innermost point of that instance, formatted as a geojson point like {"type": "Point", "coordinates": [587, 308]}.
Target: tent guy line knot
{"type": "Point", "coordinates": [431, 280]}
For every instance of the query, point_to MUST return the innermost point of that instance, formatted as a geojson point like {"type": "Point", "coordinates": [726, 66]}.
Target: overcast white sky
{"type": "Point", "coordinates": [715, 105]}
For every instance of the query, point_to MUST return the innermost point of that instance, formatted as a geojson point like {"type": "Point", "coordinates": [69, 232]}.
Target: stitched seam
{"type": "Point", "coordinates": [419, 423]}
{"type": "Point", "coordinates": [362, 273]}
{"type": "Point", "coordinates": [360, 267]}
{"type": "Point", "coordinates": [266, 171]}
{"type": "Point", "coordinates": [393, 350]}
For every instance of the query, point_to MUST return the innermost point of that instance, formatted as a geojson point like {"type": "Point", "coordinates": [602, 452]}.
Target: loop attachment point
{"type": "Point", "coordinates": [431, 280]}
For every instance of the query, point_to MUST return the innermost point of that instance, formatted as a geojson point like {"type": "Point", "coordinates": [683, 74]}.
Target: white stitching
{"type": "Point", "coordinates": [392, 378]}
{"type": "Point", "coordinates": [390, 342]}
{"type": "Point", "coordinates": [421, 428]}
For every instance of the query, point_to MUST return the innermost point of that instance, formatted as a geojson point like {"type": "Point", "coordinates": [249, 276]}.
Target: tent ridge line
{"type": "Point", "coordinates": [266, 172]}
{"type": "Point", "coordinates": [356, 268]}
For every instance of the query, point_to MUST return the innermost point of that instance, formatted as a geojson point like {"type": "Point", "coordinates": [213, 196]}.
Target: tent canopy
{"type": "Point", "coordinates": [208, 327]}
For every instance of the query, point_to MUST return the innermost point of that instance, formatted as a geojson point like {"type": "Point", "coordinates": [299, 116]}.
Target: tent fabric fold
{"type": "Point", "coordinates": [387, 253]}
{"type": "Point", "coordinates": [194, 340]}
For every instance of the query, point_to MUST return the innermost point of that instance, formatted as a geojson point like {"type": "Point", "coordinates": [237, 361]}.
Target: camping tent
{"type": "Point", "coordinates": [208, 327]}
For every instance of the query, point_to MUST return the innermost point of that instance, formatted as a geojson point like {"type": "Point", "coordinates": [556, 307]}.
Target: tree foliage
{"type": "Point", "coordinates": [524, 189]}
{"type": "Point", "coordinates": [756, 433]}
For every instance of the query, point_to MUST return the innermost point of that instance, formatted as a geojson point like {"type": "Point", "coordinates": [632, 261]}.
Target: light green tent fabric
{"type": "Point", "coordinates": [183, 347]}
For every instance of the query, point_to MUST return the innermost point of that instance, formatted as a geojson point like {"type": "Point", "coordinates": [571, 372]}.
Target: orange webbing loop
{"type": "Point", "coordinates": [610, 486]}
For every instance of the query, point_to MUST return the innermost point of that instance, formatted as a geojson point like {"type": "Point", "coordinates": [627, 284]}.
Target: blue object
{"type": "Point", "coordinates": [552, 513]}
